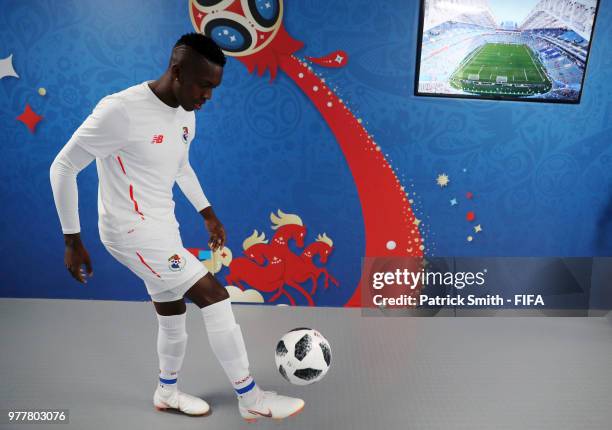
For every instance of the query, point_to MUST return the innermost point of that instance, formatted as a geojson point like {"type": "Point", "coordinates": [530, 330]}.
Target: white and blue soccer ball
{"type": "Point", "coordinates": [303, 356]}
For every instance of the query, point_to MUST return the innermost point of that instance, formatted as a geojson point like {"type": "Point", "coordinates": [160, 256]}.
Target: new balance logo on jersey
{"type": "Point", "coordinates": [157, 139]}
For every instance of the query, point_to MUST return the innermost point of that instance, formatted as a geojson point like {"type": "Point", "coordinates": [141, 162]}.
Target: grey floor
{"type": "Point", "coordinates": [98, 360]}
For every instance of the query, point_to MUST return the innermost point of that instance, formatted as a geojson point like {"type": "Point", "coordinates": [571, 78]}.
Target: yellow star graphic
{"type": "Point", "coordinates": [416, 222]}
{"type": "Point", "coordinates": [478, 228]}
{"type": "Point", "coordinates": [442, 180]}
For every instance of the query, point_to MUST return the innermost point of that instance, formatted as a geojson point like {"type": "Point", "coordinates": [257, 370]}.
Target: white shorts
{"type": "Point", "coordinates": [160, 260]}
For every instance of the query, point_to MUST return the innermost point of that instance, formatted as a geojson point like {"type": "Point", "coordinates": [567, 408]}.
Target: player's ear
{"type": "Point", "coordinates": [175, 72]}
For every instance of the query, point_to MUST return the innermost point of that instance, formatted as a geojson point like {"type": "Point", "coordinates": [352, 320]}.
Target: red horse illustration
{"type": "Point", "coordinates": [271, 276]}
{"type": "Point", "coordinates": [289, 226]}
{"type": "Point", "coordinates": [253, 271]}
{"type": "Point", "coordinates": [322, 247]}
{"type": "Point", "coordinates": [268, 267]}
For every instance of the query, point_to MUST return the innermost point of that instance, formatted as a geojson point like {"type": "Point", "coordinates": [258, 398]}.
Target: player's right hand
{"type": "Point", "coordinates": [75, 257]}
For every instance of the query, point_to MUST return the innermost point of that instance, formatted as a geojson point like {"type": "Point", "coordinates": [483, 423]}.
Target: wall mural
{"type": "Point", "coordinates": [314, 150]}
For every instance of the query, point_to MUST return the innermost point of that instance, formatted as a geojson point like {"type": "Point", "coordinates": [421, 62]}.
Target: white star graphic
{"type": "Point", "coordinates": [6, 67]}
{"type": "Point", "coordinates": [232, 38]}
{"type": "Point", "coordinates": [268, 5]}
{"type": "Point", "coordinates": [339, 59]}
{"type": "Point", "coordinates": [442, 180]}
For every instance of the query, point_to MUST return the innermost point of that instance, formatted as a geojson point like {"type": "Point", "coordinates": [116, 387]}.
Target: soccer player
{"type": "Point", "coordinates": [140, 139]}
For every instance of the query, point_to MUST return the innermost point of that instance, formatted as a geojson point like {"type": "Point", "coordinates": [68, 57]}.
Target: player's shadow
{"type": "Point", "coordinates": [219, 398]}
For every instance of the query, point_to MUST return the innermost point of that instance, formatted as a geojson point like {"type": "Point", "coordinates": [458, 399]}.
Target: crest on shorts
{"type": "Point", "coordinates": [176, 263]}
{"type": "Point", "coordinates": [185, 134]}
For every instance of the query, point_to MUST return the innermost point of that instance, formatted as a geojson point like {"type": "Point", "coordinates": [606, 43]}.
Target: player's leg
{"type": "Point", "coordinates": [167, 270]}
{"type": "Point", "coordinates": [227, 343]}
{"type": "Point", "coordinates": [224, 335]}
{"type": "Point", "coordinates": [171, 347]}
{"type": "Point", "coordinates": [171, 340]}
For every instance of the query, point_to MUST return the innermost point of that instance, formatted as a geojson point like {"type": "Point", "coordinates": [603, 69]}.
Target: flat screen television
{"type": "Point", "coordinates": [529, 50]}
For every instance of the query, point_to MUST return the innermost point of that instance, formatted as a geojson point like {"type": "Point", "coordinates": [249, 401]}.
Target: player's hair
{"type": "Point", "coordinates": [204, 46]}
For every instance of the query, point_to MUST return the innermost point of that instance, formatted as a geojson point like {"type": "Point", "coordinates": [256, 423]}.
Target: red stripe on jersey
{"type": "Point", "coordinates": [145, 263]}
{"type": "Point", "coordinates": [131, 189]}
{"type": "Point", "coordinates": [135, 202]}
{"type": "Point", "coordinates": [121, 164]}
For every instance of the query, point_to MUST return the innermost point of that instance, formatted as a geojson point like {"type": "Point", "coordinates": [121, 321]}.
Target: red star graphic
{"type": "Point", "coordinates": [30, 118]}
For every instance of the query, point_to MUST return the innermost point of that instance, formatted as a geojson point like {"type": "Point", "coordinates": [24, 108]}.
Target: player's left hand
{"type": "Point", "coordinates": [215, 229]}
{"type": "Point", "coordinates": [217, 234]}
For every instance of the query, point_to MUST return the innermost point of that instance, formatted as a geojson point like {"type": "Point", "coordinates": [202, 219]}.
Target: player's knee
{"type": "Point", "coordinates": [170, 308]}
{"type": "Point", "coordinates": [218, 293]}
{"type": "Point", "coordinates": [207, 291]}
{"type": "Point", "coordinates": [222, 296]}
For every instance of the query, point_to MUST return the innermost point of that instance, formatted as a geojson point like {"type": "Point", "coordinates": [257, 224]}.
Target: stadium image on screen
{"type": "Point", "coordinates": [533, 50]}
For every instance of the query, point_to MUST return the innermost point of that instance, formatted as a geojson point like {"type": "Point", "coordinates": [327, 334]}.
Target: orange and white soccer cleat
{"type": "Point", "coordinates": [271, 405]}
{"type": "Point", "coordinates": [164, 399]}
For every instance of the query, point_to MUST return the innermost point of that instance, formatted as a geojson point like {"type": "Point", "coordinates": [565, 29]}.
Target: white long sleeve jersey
{"type": "Point", "coordinates": [141, 148]}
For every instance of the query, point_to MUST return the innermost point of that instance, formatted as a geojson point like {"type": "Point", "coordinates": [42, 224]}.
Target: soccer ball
{"type": "Point", "coordinates": [303, 356]}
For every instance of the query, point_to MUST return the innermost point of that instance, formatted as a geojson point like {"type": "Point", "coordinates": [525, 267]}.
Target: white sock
{"type": "Point", "coordinates": [226, 341]}
{"type": "Point", "coordinates": [171, 345]}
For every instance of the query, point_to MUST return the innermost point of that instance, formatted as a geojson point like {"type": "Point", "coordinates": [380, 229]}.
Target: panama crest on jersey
{"type": "Point", "coordinates": [176, 263]}
{"type": "Point", "coordinates": [185, 135]}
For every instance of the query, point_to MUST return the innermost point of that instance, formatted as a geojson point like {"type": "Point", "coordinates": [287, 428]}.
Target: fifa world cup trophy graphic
{"type": "Point", "coordinates": [252, 31]}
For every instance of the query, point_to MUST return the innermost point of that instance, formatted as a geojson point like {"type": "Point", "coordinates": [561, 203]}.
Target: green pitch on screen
{"type": "Point", "coordinates": [500, 68]}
